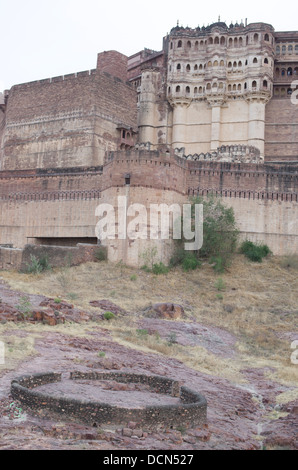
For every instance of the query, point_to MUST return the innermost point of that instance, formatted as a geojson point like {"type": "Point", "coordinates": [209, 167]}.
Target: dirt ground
{"type": "Point", "coordinates": [233, 345]}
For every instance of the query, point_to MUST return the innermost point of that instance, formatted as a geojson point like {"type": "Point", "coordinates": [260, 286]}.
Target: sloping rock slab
{"type": "Point", "coordinates": [107, 306]}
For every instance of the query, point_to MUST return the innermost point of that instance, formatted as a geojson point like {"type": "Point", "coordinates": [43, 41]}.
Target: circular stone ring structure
{"type": "Point", "coordinates": [190, 409]}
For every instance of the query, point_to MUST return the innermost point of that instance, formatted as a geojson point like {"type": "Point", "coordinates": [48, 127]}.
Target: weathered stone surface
{"type": "Point", "coordinates": [169, 310]}
{"type": "Point", "coordinates": [107, 306]}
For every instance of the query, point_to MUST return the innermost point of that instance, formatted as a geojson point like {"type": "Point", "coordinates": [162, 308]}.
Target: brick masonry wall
{"type": "Point", "coordinates": [66, 121]}
{"type": "Point", "coordinates": [192, 410]}
{"type": "Point", "coordinates": [61, 204]}
{"type": "Point", "coordinates": [58, 256]}
{"type": "Point", "coordinates": [281, 130]}
{"type": "Point", "coordinates": [114, 63]}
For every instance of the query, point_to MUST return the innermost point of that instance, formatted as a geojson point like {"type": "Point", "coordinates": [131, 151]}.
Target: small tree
{"type": "Point", "coordinates": [220, 232]}
{"type": "Point", "coordinates": [220, 236]}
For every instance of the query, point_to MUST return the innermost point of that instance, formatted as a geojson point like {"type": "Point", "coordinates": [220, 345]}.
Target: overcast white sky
{"type": "Point", "coordinates": [46, 38]}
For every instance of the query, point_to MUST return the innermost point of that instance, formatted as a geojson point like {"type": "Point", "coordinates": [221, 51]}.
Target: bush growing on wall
{"type": "Point", "coordinates": [220, 237]}
{"type": "Point", "coordinates": [254, 252]}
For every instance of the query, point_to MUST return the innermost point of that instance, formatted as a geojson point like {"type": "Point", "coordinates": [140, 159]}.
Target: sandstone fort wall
{"type": "Point", "coordinates": [66, 121]}
{"type": "Point", "coordinates": [264, 198]}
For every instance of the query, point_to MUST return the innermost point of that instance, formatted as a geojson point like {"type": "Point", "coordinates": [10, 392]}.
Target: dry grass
{"type": "Point", "coordinates": [258, 304]}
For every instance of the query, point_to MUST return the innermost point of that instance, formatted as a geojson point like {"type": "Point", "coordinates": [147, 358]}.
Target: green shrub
{"type": "Point", "coordinates": [133, 277]}
{"type": "Point", "coordinates": [220, 237]}
{"type": "Point", "coordinates": [190, 262]}
{"type": "Point", "coordinates": [101, 354]}
{"type": "Point", "coordinates": [38, 265]}
{"type": "Point", "coordinates": [100, 255]}
{"type": "Point", "coordinates": [24, 307]}
{"type": "Point", "coordinates": [142, 332]}
{"type": "Point", "coordinates": [254, 252]}
{"type": "Point", "coordinates": [219, 264]}
{"type": "Point", "coordinates": [220, 284]}
{"type": "Point", "coordinates": [160, 268]}
{"type": "Point", "coordinates": [172, 338]}
{"type": "Point", "coordinates": [220, 233]}
{"type": "Point", "coordinates": [109, 315]}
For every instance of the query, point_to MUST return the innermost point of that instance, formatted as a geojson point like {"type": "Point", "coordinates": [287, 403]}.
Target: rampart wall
{"type": "Point", "coordinates": [281, 130]}
{"type": "Point", "coordinates": [66, 121]}
{"type": "Point", "coordinates": [54, 204]}
{"type": "Point", "coordinates": [58, 256]}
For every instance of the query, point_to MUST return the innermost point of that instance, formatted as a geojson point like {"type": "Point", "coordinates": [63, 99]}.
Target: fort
{"type": "Point", "coordinates": [214, 112]}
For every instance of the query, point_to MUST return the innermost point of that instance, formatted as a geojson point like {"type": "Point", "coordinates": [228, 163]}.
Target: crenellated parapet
{"type": "Point", "coordinates": [226, 153]}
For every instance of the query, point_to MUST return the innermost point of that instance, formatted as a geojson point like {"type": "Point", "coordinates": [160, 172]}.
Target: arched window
{"type": "Point", "coordinates": [266, 37]}
{"type": "Point", "coordinates": [202, 44]}
{"type": "Point", "coordinates": [234, 87]}
{"type": "Point", "coordinates": [169, 90]}
{"type": "Point", "coordinates": [209, 63]}
{"type": "Point", "coordinates": [208, 87]}
{"type": "Point", "coordinates": [283, 92]}
{"type": "Point", "coordinates": [210, 40]}
{"type": "Point", "coordinates": [265, 84]}
{"type": "Point", "coordinates": [187, 89]}
{"type": "Point", "coordinates": [229, 87]}
{"type": "Point", "coordinates": [229, 64]}
{"type": "Point", "coordinates": [200, 89]}
{"type": "Point", "coordinates": [277, 71]}
{"type": "Point", "coordinates": [283, 50]}
{"type": "Point", "coordinates": [234, 64]}
{"type": "Point", "coordinates": [240, 42]}
{"type": "Point", "coordinates": [256, 38]}
{"type": "Point", "coordinates": [239, 63]}
{"type": "Point", "coordinates": [216, 40]}
{"type": "Point", "coordinates": [178, 89]}
{"type": "Point", "coordinates": [188, 45]}
{"type": "Point", "coordinates": [266, 60]}
{"type": "Point", "coordinates": [239, 87]}
{"type": "Point", "coordinates": [220, 85]}
{"type": "Point", "coordinates": [171, 45]}
{"type": "Point", "coordinates": [296, 71]}
{"type": "Point", "coordinates": [178, 66]}
{"type": "Point", "coordinates": [289, 71]}
{"type": "Point", "coordinates": [222, 41]}
{"type": "Point", "coordinates": [246, 62]}
{"type": "Point", "coordinates": [215, 63]}
{"type": "Point", "coordinates": [277, 50]}
{"type": "Point", "coordinates": [222, 64]}
{"type": "Point", "coordinates": [289, 91]}
{"type": "Point", "coordinates": [196, 67]}
{"type": "Point", "coordinates": [276, 91]}
{"type": "Point", "coordinates": [230, 42]}
{"type": "Point", "coordinates": [296, 49]}
{"type": "Point", "coordinates": [179, 43]}
{"type": "Point", "coordinates": [214, 85]}
{"type": "Point", "coordinates": [254, 84]}
{"type": "Point", "coordinates": [246, 40]}
{"type": "Point", "coordinates": [283, 72]}
{"type": "Point", "coordinates": [196, 45]}
{"type": "Point", "coordinates": [235, 42]}
{"type": "Point", "coordinates": [188, 68]}
{"type": "Point", "coordinates": [245, 86]}
{"type": "Point", "coordinates": [195, 90]}
{"type": "Point", "coordinates": [200, 67]}
{"type": "Point", "coordinates": [290, 49]}
{"type": "Point", "coordinates": [255, 61]}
